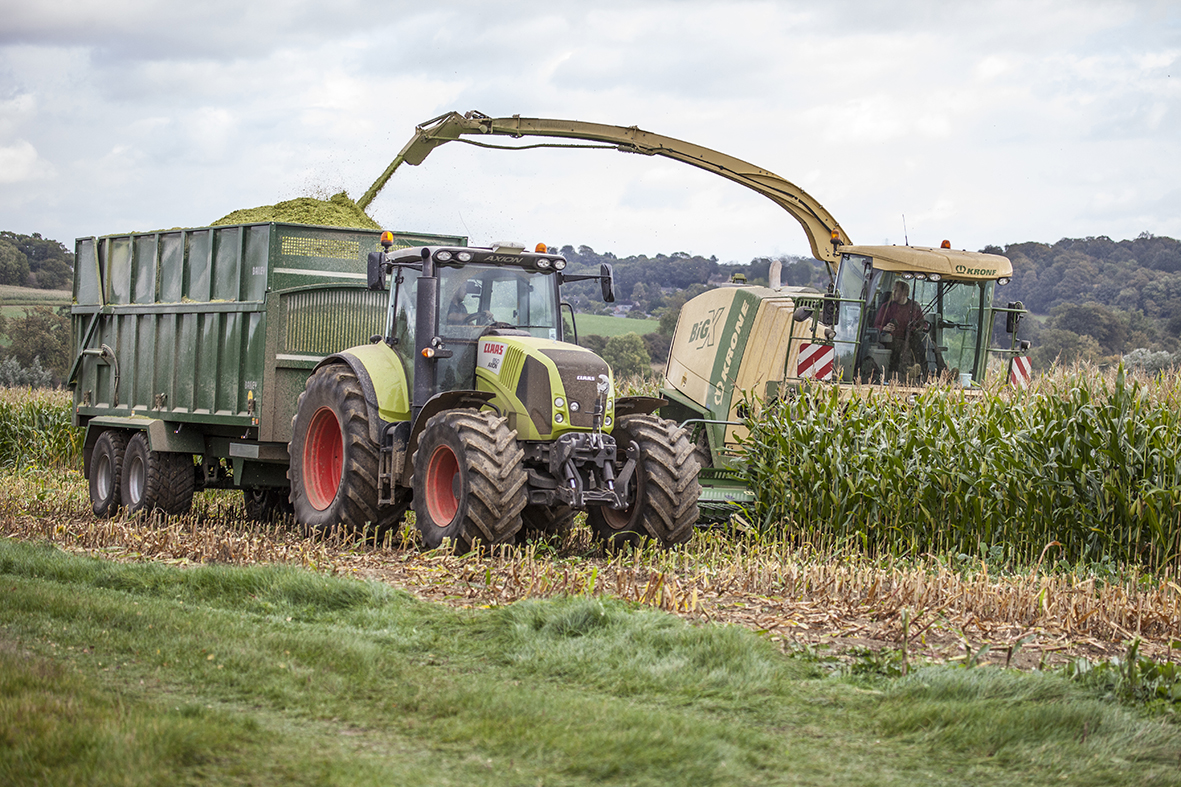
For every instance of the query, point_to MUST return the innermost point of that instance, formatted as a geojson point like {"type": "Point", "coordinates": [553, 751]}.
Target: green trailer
{"type": "Point", "coordinates": [192, 346]}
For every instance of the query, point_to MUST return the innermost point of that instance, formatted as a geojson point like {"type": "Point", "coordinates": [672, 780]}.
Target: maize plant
{"type": "Point", "coordinates": [1090, 464]}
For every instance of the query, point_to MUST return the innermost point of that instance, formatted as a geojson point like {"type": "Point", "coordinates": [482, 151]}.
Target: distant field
{"type": "Point", "coordinates": [24, 296]}
{"type": "Point", "coordinates": [603, 325]}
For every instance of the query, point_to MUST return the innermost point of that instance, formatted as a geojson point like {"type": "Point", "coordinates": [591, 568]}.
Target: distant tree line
{"type": "Point", "coordinates": [1093, 299]}
{"type": "Point", "coordinates": [1099, 300]}
{"type": "Point", "coordinates": [33, 261]}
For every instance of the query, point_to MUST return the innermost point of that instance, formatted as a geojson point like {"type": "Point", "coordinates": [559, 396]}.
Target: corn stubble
{"type": "Point", "coordinates": [797, 595]}
{"type": "Point", "coordinates": [1000, 551]}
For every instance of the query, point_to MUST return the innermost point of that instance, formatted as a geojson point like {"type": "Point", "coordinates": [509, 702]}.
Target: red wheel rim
{"type": "Point", "coordinates": [323, 458]}
{"type": "Point", "coordinates": [439, 485]}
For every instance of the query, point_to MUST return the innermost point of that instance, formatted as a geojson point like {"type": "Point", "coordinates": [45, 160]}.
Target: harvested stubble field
{"type": "Point", "coordinates": [797, 597]}
{"type": "Point", "coordinates": [798, 589]}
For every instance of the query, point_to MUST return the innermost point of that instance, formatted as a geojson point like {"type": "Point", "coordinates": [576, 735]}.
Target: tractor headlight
{"type": "Point", "coordinates": [443, 256]}
{"type": "Point", "coordinates": [464, 256]}
{"type": "Point", "coordinates": [559, 402]}
{"type": "Point", "coordinates": [574, 407]}
{"type": "Point", "coordinates": [544, 264]}
{"type": "Point", "coordinates": [559, 418]}
{"type": "Point", "coordinates": [607, 421]}
{"type": "Point", "coordinates": [559, 264]}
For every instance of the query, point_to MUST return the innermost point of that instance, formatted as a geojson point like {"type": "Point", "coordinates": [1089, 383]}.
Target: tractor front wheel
{"type": "Point", "coordinates": [664, 489]}
{"type": "Point", "coordinates": [469, 480]}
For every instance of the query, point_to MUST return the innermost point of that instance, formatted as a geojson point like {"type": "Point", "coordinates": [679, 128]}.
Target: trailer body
{"type": "Point", "coordinates": [204, 338]}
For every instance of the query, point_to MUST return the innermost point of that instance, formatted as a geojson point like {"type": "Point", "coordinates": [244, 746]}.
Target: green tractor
{"type": "Point", "coordinates": [472, 408]}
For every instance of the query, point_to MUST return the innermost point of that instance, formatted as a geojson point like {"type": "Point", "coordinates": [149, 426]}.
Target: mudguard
{"type": "Point", "coordinates": [383, 379]}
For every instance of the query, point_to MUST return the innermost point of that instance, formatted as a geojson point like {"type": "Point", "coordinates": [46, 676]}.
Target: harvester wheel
{"type": "Point", "coordinates": [545, 522]}
{"type": "Point", "coordinates": [334, 463]}
{"type": "Point", "coordinates": [106, 468]}
{"type": "Point", "coordinates": [664, 489]}
{"type": "Point", "coordinates": [156, 480]}
{"type": "Point", "coordinates": [469, 480]}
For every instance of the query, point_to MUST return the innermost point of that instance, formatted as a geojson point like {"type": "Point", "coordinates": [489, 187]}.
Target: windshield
{"type": "Point", "coordinates": [892, 327]}
{"type": "Point", "coordinates": [474, 299]}
{"type": "Point", "coordinates": [917, 330]}
{"type": "Point", "coordinates": [475, 296]}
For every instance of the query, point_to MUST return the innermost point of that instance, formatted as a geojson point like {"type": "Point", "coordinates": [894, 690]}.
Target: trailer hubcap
{"type": "Point", "coordinates": [104, 476]}
{"type": "Point", "coordinates": [136, 480]}
{"type": "Point", "coordinates": [323, 458]}
{"type": "Point", "coordinates": [442, 486]}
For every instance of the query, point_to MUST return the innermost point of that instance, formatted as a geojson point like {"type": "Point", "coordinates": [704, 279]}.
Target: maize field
{"type": "Point", "coordinates": [1080, 467]}
{"type": "Point", "coordinates": [36, 430]}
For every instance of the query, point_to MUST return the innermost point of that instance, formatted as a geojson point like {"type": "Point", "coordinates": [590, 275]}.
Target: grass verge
{"type": "Point", "coordinates": [148, 674]}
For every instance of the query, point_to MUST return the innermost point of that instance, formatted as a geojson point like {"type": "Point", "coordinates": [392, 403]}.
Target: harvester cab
{"type": "Point", "coordinates": [473, 408]}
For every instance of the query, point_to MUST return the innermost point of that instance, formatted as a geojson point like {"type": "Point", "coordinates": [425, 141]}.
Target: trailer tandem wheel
{"type": "Point", "coordinates": [106, 469]}
{"type": "Point", "coordinates": [155, 480]}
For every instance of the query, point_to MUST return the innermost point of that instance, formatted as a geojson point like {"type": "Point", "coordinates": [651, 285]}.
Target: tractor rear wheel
{"type": "Point", "coordinates": [664, 488]}
{"type": "Point", "coordinates": [156, 480]}
{"type": "Point", "coordinates": [106, 469]}
{"type": "Point", "coordinates": [469, 480]}
{"type": "Point", "coordinates": [334, 463]}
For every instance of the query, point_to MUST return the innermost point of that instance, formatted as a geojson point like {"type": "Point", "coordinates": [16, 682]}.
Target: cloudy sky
{"type": "Point", "coordinates": [996, 121]}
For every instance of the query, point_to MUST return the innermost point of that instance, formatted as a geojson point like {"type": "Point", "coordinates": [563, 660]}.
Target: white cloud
{"type": "Point", "coordinates": [19, 163]}
{"type": "Point", "coordinates": [988, 122]}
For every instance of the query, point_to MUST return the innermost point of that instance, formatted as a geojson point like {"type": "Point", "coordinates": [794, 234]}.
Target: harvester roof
{"type": "Point", "coordinates": [946, 262]}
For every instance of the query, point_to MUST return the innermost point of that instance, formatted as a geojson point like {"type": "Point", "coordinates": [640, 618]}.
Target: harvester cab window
{"type": "Point", "coordinates": [852, 285]}
{"type": "Point", "coordinates": [917, 330]}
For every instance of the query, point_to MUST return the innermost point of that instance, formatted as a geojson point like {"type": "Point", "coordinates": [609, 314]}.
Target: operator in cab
{"type": "Point", "coordinates": [901, 319]}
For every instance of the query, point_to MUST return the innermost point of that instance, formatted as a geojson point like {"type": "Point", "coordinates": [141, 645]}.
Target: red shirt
{"type": "Point", "coordinates": [904, 315]}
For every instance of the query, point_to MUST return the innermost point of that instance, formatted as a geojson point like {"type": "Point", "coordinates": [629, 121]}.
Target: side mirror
{"type": "Point", "coordinates": [376, 270]}
{"type": "Point", "coordinates": [607, 279]}
{"type": "Point", "coordinates": [802, 314]}
{"type": "Point", "coordinates": [1012, 319]}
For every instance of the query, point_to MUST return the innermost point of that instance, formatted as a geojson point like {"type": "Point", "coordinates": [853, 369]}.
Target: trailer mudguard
{"type": "Point", "coordinates": [162, 436]}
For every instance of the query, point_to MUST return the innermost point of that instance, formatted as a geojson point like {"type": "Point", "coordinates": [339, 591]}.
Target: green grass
{"type": "Point", "coordinates": [603, 325]}
{"type": "Point", "coordinates": [145, 674]}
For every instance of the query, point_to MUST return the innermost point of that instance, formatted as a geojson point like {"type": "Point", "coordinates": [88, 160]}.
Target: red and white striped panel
{"type": "Point", "coordinates": [1020, 371]}
{"type": "Point", "coordinates": [815, 361]}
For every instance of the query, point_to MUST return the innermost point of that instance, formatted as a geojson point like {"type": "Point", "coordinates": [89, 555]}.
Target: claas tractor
{"type": "Point", "coordinates": [471, 407]}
